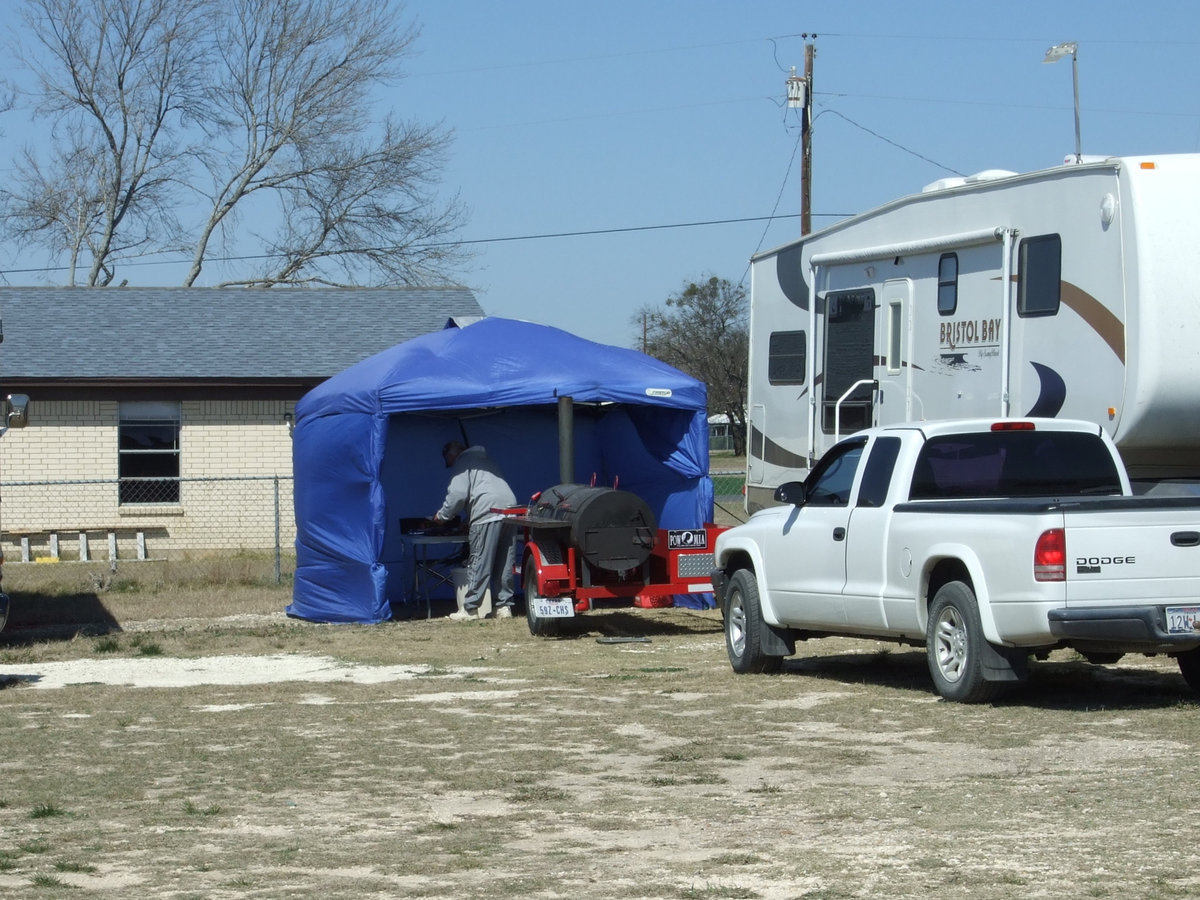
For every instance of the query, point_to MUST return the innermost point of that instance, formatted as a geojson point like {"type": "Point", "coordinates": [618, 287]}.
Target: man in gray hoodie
{"type": "Point", "coordinates": [478, 487]}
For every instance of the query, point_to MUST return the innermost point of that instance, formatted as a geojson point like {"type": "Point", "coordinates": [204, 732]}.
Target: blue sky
{"type": "Point", "coordinates": [578, 117]}
{"type": "Point", "coordinates": [635, 117]}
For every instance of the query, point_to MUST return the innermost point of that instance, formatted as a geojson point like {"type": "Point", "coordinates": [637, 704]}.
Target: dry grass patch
{"type": "Point", "coordinates": [435, 759]}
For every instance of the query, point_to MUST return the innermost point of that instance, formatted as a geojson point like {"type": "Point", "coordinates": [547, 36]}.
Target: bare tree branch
{"type": "Point", "coordinates": [116, 76]}
{"type": "Point", "coordinates": [293, 91]}
{"type": "Point", "coordinates": [267, 102]}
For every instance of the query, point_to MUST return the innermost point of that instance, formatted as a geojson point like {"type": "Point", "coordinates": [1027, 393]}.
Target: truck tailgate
{"type": "Point", "coordinates": [1137, 550]}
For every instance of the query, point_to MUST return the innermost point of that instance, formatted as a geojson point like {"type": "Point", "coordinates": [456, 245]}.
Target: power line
{"type": "Point", "coordinates": [461, 243]}
{"type": "Point", "coordinates": [886, 140]}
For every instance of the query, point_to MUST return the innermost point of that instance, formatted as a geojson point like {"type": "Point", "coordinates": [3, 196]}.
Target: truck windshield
{"type": "Point", "coordinates": [1015, 464]}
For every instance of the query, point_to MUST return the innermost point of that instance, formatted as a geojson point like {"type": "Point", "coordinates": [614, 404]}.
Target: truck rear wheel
{"type": "Point", "coordinates": [743, 627]}
{"type": "Point", "coordinates": [954, 646]}
{"type": "Point", "coordinates": [1189, 668]}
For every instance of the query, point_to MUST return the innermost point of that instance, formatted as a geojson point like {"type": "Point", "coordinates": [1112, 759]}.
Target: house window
{"type": "Point", "coordinates": [148, 453]}
{"type": "Point", "coordinates": [947, 291]}
{"type": "Point", "coordinates": [786, 357]}
{"type": "Point", "coordinates": [1038, 288]}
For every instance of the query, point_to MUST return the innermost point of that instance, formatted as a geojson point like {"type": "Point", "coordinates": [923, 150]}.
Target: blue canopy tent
{"type": "Point", "coordinates": [366, 446]}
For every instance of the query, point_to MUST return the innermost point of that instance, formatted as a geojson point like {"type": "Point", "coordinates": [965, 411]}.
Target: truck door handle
{"type": "Point", "coordinates": [1186, 538]}
{"type": "Point", "coordinates": [839, 534]}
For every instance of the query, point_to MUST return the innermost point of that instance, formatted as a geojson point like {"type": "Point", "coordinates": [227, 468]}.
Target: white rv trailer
{"type": "Point", "coordinates": [1072, 291]}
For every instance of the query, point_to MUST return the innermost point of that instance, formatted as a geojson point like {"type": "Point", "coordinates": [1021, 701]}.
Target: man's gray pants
{"type": "Point", "coordinates": [490, 563]}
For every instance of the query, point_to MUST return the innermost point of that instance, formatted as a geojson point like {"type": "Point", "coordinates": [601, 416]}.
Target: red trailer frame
{"type": "Point", "coordinates": [558, 585]}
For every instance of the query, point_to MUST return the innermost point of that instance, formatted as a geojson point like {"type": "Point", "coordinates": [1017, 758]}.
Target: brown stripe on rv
{"type": "Point", "coordinates": [775, 454]}
{"type": "Point", "coordinates": [1099, 317]}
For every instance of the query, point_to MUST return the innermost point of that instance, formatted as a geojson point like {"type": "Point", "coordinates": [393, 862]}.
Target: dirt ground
{"type": "Point", "coordinates": [257, 756]}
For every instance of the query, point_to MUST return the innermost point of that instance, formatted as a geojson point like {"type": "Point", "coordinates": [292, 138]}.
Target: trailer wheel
{"type": "Point", "coordinates": [1189, 668]}
{"type": "Point", "coordinates": [953, 646]}
{"type": "Point", "coordinates": [539, 626]}
{"type": "Point", "coordinates": [743, 627]}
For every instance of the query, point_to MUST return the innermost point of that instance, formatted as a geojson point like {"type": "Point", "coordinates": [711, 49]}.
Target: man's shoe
{"type": "Point", "coordinates": [464, 615]}
{"type": "Point", "coordinates": [504, 612]}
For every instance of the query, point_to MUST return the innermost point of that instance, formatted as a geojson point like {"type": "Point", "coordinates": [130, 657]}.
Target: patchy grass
{"type": "Point", "coordinates": [504, 766]}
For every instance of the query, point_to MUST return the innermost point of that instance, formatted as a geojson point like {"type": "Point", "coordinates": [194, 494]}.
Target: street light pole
{"type": "Point", "coordinates": [1054, 54]}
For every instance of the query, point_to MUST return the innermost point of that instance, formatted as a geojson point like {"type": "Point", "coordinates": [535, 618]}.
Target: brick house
{"type": "Point", "coordinates": [161, 416]}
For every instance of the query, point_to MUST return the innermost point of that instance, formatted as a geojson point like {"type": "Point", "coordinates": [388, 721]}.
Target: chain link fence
{"type": "Point", "coordinates": [728, 486]}
{"type": "Point", "coordinates": [195, 524]}
{"type": "Point", "coordinates": [191, 529]}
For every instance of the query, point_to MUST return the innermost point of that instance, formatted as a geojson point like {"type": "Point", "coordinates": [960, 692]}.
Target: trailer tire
{"type": "Point", "coordinates": [1189, 668]}
{"type": "Point", "coordinates": [954, 645]}
{"type": "Point", "coordinates": [539, 626]}
{"type": "Point", "coordinates": [744, 627]}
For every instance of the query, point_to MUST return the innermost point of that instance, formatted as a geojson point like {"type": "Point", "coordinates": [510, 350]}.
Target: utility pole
{"type": "Point", "coordinates": [800, 93]}
{"type": "Point", "coordinates": [806, 137]}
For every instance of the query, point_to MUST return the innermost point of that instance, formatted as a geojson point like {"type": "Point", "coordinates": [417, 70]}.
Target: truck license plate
{"type": "Point", "coordinates": [1182, 619]}
{"type": "Point", "coordinates": [547, 608]}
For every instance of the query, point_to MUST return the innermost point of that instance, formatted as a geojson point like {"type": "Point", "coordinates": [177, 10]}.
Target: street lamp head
{"type": "Point", "coordinates": [1058, 51]}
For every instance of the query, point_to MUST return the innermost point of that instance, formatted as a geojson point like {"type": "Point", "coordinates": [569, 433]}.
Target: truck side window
{"type": "Point", "coordinates": [833, 477]}
{"type": "Point", "coordinates": [877, 476]}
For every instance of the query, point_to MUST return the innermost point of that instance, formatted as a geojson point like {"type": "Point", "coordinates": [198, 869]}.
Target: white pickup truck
{"type": "Point", "coordinates": [985, 540]}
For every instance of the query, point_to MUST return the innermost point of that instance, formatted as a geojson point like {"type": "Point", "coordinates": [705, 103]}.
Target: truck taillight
{"type": "Point", "coordinates": [1050, 556]}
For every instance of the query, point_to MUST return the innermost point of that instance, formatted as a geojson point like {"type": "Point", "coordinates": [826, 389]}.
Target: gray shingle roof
{"type": "Point", "coordinates": [227, 333]}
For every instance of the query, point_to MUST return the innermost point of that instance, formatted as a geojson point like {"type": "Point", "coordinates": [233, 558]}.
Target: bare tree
{"type": "Point", "coordinates": [704, 330]}
{"type": "Point", "coordinates": [268, 103]}
{"type": "Point", "coordinates": [292, 86]}
{"type": "Point", "coordinates": [116, 77]}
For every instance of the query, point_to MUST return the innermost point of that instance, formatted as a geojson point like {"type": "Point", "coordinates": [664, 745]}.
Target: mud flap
{"type": "Point", "coordinates": [777, 641]}
{"type": "Point", "coordinates": [1004, 663]}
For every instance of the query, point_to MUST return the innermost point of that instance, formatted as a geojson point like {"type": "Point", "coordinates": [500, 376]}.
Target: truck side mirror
{"type": "Point", "coordinates": [16, 408]}
{"type": "Point", "coordinates": [791, 492]}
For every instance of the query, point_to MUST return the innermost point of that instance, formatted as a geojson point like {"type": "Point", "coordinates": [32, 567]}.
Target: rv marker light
{"type": "Point", "coordinates": [1149, 165]}
{"type": "Point", "coordinates": [1013, 426]}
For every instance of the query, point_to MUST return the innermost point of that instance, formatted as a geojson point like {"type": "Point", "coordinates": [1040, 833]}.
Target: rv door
{"type": "Point", "coordinates": [849, 359]}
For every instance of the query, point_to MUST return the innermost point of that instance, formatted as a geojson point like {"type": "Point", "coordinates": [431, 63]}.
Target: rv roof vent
{"type": "Point", "coordinates": [989, 175]}
{"type": "Point", "coordinates": [942, 184]}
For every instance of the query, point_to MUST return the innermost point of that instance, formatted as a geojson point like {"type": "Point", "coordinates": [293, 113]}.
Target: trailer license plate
{"type": "Point", "coordinates": [1182, 619]}
{"type": "Point", "coordinates": [546, 608]}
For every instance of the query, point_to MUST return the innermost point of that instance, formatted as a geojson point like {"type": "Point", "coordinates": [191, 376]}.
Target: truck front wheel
{"type": "Point", "coordinates": [744, 625]}
{"type": "Point", "coordinates": [954, 645]}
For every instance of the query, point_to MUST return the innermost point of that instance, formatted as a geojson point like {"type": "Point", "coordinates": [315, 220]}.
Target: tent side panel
{"type": "Point", "coordinates": [339, 518]}
{"type": "Point", "coordinates": [338, 591]}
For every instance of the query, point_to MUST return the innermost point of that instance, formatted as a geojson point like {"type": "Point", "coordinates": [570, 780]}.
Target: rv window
{"type": "Point", "coordinates": [1040, 261]}
{"type": "Point", "coordinates": [786, 357]}
{"type": "Point", "coordinates": [895, 336]}
{"type": "Point", "coordinates": [947, 294]}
